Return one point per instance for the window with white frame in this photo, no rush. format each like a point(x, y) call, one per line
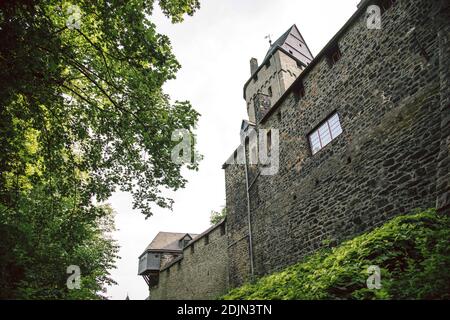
point(326, 132)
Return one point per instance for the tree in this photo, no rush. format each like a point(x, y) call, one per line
point(217, 216)
point(82, 114)
point(99, 89)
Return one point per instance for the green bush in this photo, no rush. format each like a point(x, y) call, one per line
point(412, 251)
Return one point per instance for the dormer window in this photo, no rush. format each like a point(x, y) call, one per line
point(269, 91)
point(334, 54)
point(184, 242)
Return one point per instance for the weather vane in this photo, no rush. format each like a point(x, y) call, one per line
point(270, 40)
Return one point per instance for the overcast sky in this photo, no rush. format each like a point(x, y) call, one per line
point(214, 48)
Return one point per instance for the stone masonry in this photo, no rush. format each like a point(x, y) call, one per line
point(390, 90)
point(200, 273)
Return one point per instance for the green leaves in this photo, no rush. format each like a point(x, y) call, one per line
point(412, 251)
point(99, 87)
point(175, 9)
point(216, 216)
point(82, 114)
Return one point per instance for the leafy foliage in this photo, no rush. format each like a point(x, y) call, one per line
point(412, 251)
point(82, 114)
point(96, 89)
point(217, 216)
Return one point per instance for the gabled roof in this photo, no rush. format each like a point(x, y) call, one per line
point(167, 241)
point(195, 239)
point(361, 10)
point(291, 43)
point(279, 42)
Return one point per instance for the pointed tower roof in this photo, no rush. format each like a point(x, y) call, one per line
point(279, 42)
point(292, 42)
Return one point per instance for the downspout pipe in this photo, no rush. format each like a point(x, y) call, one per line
point(249, 219)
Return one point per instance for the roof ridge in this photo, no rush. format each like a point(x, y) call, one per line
point(280, 40)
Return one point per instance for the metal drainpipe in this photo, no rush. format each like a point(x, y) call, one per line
point(249, 220)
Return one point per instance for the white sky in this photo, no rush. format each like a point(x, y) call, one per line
point(214, 48)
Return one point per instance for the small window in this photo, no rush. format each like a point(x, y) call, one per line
point(192, 249)
point(268, 63)
point(299, 44)
point(269, 141)
point(333, 54)
point(299, 65)
point(185, 242)
point(255, 77)
point(336, 56)
point(247, 144)
point(290, 51)
point(299, 91)
point(325, 133)
point(269, 91)
point(385, 4)
point(206, 239)
point(222, 229)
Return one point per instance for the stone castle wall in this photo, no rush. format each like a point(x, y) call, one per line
point(198, 274)
point(278, 75)
point(390, 89)
point(387, 91)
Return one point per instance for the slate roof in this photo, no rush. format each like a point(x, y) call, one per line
point(292, 44)
point(278, 43)
point(168, 241)
point(195, 239)
point(362, 5)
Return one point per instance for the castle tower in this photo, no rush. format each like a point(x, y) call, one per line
point(286, 59)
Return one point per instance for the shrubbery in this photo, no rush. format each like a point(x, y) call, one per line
point(412, 251)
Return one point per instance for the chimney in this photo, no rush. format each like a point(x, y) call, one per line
point(253, 65)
